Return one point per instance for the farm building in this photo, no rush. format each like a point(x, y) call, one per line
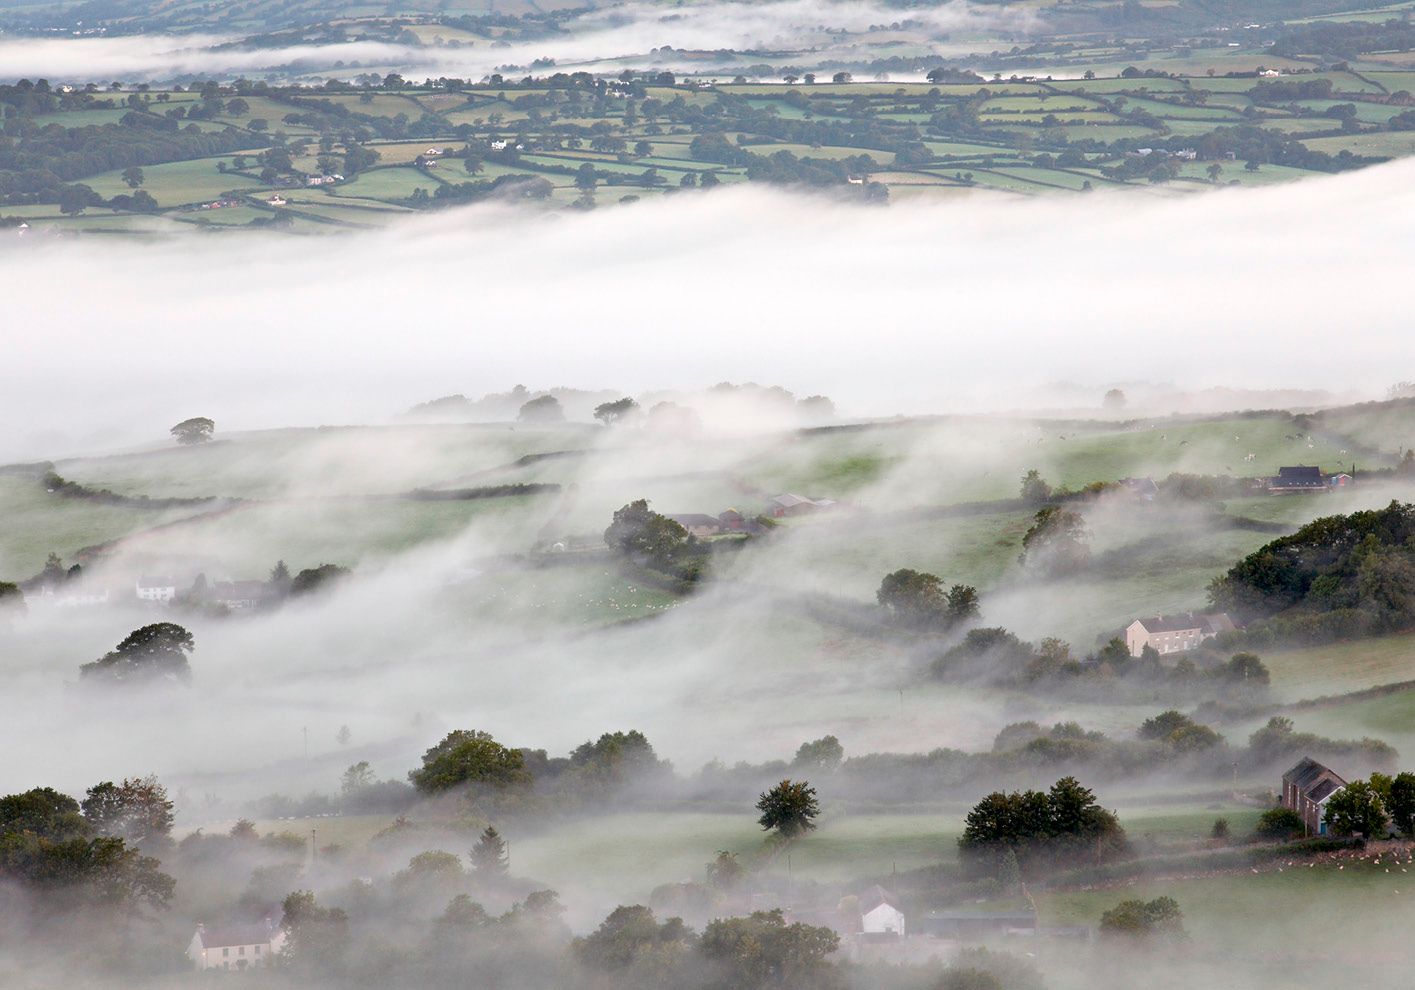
point(967, 924)
point(156, 589)
point(698, 524)
point(1300, 480)
point(732, 521)
point(238, 594)
point(1306, 789)
point(797, 505)
point(1174, 633)
point(235, 946)
point(880, 914)
point(1342, 480)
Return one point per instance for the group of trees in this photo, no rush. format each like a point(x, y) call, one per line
point(1342, 576)
point(1038, 830)
point(917, 600)
point(72, 855)
point(650, 539)
point(1373, 807)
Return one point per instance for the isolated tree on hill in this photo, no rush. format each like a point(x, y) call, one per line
point(1058, 542)
point(823, 754)
point(1114, 400)
point(544, 409)
point(1035, 490)
point(132, 177)
point(151, 654)
point(196, 430)
point(137, 810)
point(490, 860)
point(617, 411)
point(790, 808)
point(467, 756)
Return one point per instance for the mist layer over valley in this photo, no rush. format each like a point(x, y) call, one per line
point(485, 500)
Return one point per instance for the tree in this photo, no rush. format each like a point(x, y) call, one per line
point(469, 757)
point(544, 409)
point(962, 603)
point(610, 413)
point(1246, 668)
point(313, 579)
point(157, 652)
point(1058, 542)
point(1160, 918)
point(640, 533)
point(196, 430)
point(1114, 400)
point(790, 808)
point(632, 945)
point(317, 938)
point(1035, 490)
point(840, 78)
point(1356, 809)
point(1279, 825)
point(1401, 803)
point(279, 579)
point(490, 860)
point(12, 599)
point(913, 598)
point(74, 199)
point(132, 177)
point(762, 950)
point(1214, 171)
point(357, 778)
point(343, 736)
point(137, 810)
point(725, 871)
point(824, 754)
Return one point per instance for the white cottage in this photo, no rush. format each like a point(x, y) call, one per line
point(235, 946)
point(156, 588)
point(880, 913)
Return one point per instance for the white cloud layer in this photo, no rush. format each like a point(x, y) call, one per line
point(954, 306)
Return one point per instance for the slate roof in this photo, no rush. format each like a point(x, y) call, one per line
point(1313, 780)
point(1216, 623)
point(232, 935)
point(873, 897)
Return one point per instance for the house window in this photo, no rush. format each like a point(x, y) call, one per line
point(226, 951)
point(241, 951)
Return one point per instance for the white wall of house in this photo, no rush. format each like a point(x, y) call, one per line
point(882, 919)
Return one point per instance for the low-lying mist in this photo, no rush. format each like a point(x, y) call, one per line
point(973, 305)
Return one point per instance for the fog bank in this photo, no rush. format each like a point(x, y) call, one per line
point(960, 306)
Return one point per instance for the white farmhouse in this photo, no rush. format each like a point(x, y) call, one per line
point(156, 588)
point(235, 946)
point(880, 914)
point(1174, 633)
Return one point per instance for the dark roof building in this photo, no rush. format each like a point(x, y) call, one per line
point(1306, 788)
point(1297, 481)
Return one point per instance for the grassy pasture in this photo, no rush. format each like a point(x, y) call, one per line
point(38, 523)
point(174, 183)
point(397, 182)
